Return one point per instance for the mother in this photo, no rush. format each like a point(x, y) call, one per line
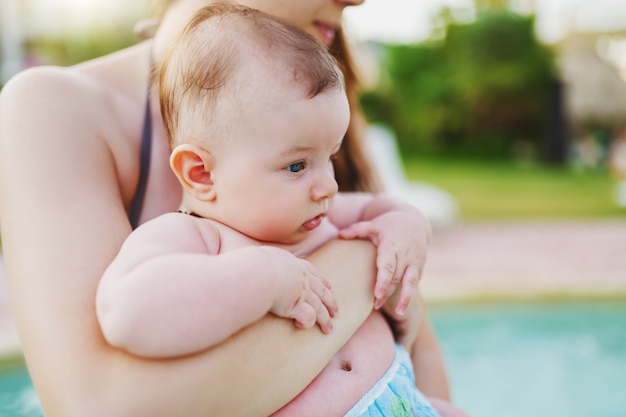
point(72, 187)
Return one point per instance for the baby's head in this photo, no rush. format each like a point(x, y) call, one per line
point(230, 59)
point(255, 109)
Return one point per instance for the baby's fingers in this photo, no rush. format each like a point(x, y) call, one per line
point(318, 305)
point(322, 290)
point(304, 315)
point(387, 278)
point(409, 284)
point(360, 230)
point(322, 313)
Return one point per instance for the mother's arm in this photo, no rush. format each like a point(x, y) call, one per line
point(62, 220)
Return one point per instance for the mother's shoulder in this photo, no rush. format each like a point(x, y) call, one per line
point(52, 88)
point(104, 81)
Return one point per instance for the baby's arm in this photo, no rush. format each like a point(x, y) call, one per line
point(168, 292)
point(400, 232)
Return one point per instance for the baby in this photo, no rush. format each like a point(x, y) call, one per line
point(255, 111)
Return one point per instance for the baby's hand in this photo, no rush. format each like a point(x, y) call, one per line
point(401, 254)
point(301, 293)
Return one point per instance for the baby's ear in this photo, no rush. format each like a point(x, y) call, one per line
point(192, 164)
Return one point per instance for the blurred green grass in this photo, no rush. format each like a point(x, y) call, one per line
point(507, 191)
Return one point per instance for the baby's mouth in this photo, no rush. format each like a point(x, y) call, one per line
point(313, 223)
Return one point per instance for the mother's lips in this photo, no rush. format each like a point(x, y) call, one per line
point(326, 32)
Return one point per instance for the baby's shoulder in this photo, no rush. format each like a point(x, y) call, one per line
point(230, 239)
point(179, 231)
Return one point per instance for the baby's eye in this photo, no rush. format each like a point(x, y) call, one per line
point(296, 167)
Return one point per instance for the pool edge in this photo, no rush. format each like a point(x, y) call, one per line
point(555, 296)
point(11, 359)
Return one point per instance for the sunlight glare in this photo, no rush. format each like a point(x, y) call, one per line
point(80, 8)
point(81, 14)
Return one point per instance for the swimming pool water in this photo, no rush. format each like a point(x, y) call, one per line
point(539, 360)
point(503, 360)
point(17, 396)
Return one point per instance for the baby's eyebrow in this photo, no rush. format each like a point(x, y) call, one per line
point(296, 149)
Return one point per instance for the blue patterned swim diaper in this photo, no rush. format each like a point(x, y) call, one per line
point(395, 394)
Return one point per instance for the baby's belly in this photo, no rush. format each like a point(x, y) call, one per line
point(349, 375)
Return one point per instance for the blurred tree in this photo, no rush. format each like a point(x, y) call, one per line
point(491, 4)
point(68, 48)
point(483, 90)
point(80, 30)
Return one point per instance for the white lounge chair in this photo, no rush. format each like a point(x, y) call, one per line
point(437, 204)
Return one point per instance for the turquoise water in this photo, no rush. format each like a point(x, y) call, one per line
point(504, 360)
point(17, 397)
point(539, 360)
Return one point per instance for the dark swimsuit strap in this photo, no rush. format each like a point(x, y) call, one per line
point(144, 167)
point(190, 213)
